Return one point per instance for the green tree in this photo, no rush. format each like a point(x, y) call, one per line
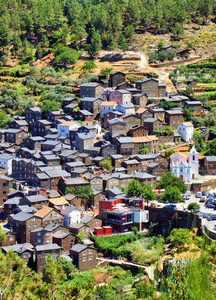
point(3, 117)
point(65, 55)
point(169, 179)
point(144, 149)
point(193, 206)
point(177, 30)
point(17, 44)
point(211, 148)
point(80, 237)
point(189, 90)
point(134, 188)
point(95, 44)
point(111, 42)
point(186, 114)
point(84, 192)
point(199, 141)
point(162, 55)
point(172, 194)
point(107, 164)
point(5, 34)
point(129, 32)
point(67, 266)
point(148, 193)
point(3, 236)
point(122, 42)
point(49, 106)
point(106, 71)
point(160, 45)
point(180, 237)
point(39, 52)
point(88, 66)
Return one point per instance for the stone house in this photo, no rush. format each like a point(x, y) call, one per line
point(4, 188)
point(25, 251)
point(85, 158)
point(40, 127)
point(33, 142)
point(151, 88)
point(84, 115)
point(174, 118)
point(83, 257)
point(15, 136)
point(19, 124)
point(22, 223)
point(51, 160)
point(156, 169)
point(125, 145)
point(91, 222)
point(138, 130)
point(40, 236)
point(36, 201)
point(109, 116)
point(132, 166)
point(41, 252)
point(145, 178)
point(108, 149)
point(96, 182)
point(120, 97)
point(109, 182)
point(91, 90)
point(67, 101)
point(210, 165)
point(131, 120)
point(10, 237)
point(117, 160)
point(53, 116)
point(106, 107)
point(126, 109)
point(116, 78)
point(33, 114)
point(10, 205)
point(150, 141)
point(193, 105)
point(117, 127)
point(98, 196)
point(139, 99)
point(91, 104)
point(63, 239)
point(84, 140)
point(48, 215)
point(153, 124)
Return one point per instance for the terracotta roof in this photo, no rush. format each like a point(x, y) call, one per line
point(141, 110)
point(187, 124)
point(108, 103)
point(144, 139)
point(67, 123)
point(41, 213)
point(58, 201)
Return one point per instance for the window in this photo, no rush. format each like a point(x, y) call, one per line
point(84, 253)
point(84, 259)
point(50, 215)
point(90, 257)
point(39, 234)
point(11, 238)
point(35, 224)
point(47, 240)
point(39, 241)
point(90, 251)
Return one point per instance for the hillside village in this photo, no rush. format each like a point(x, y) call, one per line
point(67, 174)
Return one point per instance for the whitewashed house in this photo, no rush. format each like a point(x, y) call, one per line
point(186, 129)
point(6, 163)
point(63, 129)
point(71, 215)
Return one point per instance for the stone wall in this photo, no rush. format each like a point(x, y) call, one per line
point(168, 219)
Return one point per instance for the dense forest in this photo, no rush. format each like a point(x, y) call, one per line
point(92, 24)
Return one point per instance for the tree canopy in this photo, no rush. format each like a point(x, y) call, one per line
point(169, 179)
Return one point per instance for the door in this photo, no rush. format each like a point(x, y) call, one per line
point(193, 176)
point(181, 176)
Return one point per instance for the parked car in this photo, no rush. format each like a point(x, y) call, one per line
point(211, 218)
point(203, 199)
point(210, 205)
point(170, 206)
point(203, 193)
point(198, 194)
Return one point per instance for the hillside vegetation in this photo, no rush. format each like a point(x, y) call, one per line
point(29, 24)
